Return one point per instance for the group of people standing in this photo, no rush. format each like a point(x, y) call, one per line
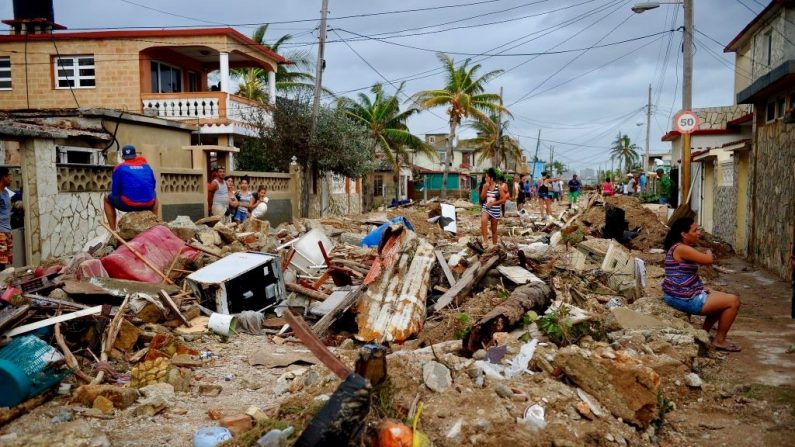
point(234, 205)
point(636, 184)
point(494, 193)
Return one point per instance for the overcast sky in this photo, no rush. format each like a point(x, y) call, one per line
point(579, 99)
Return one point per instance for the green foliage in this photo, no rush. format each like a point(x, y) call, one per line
point(492, 141)
point(649, 197)
point(529, 318)
point(464, 324)
point(340, 144)
point(559, 328)
point(625, 152)
point(664, 406)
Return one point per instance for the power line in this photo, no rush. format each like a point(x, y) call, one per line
point(313, 20)
point(538, 34)
point(526, 95)
point(542, 53)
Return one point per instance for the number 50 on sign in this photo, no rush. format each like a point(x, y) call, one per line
point(686, 121)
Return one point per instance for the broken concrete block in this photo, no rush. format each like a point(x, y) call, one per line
point(186, 361)
point(103, 404)
point(626, 387)
point(183, 228)
point(436, 376)
point(120, 396)
point(128, 335)
point(237, 424)
point(626, 318)
point(227, 234)
point(149, 372)
point(180, 379)
point(209, 237)
point(618, 260)
point(135, 223)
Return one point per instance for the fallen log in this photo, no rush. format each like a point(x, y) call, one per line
point(534, 295)
point(313, 294)
point(9, 414)
point(467, 282)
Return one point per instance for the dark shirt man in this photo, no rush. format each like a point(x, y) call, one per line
point(132, 186)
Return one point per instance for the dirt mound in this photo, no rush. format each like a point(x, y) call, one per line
point(652, 230)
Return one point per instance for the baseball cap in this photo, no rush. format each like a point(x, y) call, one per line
point(128, 152)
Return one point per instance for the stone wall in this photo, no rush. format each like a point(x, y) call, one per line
point(773, 189)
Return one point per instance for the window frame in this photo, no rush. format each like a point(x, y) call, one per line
point(161, 64)
point(769, 46)
point(378, 185)
point(2, 70)
point(771, 105)
point(76, 77)
point(781, 107)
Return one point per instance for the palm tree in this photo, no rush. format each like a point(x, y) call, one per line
point(492, 143)
point(558, 167)
point(463, 95)
point(387, 126)
point(624, 151)
point(290, 78)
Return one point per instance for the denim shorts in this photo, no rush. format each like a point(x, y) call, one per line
point(692, 306)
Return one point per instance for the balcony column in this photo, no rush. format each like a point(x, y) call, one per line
point(272, 87)
point(223, 60)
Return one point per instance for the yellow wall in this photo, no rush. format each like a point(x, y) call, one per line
point(741, 181)
point(708, 193)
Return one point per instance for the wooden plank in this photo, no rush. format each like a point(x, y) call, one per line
point(468, 281)
point(445, 268)
point(50, 321)
point(173, 306)
point(309, 293)
point(321, 327)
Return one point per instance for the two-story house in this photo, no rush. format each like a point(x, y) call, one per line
point(765, 78)
point(70, 100)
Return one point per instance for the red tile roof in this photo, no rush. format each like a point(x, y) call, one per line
point(143, 34)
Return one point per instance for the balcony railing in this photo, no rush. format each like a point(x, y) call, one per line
point(199, 106)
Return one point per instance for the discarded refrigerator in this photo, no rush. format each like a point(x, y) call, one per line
point(238, 282)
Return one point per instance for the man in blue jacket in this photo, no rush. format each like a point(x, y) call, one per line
point(132, 186)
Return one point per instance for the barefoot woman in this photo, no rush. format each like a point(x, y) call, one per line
point(684, 290)
point(493, 196)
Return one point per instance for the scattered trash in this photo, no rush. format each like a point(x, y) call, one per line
point(533, 418)
point(211, 436)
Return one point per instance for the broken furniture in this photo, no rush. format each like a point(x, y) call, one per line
point(238, 282)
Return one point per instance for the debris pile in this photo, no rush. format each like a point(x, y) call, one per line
point(386, 328)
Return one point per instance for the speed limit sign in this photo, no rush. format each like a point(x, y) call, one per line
point(686, 121)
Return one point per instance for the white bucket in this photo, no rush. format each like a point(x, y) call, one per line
point(222, 324)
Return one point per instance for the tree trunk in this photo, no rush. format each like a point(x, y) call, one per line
point(397, 184)
point(449, 157)
point(508, 314)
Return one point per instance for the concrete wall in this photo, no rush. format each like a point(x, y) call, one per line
point(283, 190)
point(742, 181)
point(773, 202)
point(725, 201)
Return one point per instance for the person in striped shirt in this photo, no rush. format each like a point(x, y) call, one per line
point(683, 289)
point(493, 195)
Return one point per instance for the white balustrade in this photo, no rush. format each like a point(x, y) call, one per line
point(184, 108)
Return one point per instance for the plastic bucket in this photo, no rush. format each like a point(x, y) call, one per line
point(222, 324)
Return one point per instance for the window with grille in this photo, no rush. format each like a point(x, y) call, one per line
point(75, 72)
point(5, 73)
point(378, 185)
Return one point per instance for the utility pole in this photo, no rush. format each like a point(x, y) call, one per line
point(687, 92)
point(647, 164)
point(308, 171)
point(551, 156)
point(320, 65)
point(498, 155)
point(535, 157)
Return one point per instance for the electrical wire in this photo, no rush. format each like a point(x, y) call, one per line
point(68, 81)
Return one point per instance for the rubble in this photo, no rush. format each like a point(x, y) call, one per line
point(553, 331)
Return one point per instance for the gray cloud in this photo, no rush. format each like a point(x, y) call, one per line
point(589, 110)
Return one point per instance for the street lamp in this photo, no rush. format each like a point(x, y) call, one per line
point(687, 77)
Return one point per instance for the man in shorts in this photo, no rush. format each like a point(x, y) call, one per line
point(6, 241)
point(574, 190)
point(132, 186)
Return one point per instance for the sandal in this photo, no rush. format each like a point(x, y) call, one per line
point(729, 347)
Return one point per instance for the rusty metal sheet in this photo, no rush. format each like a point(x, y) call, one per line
point(393, 307)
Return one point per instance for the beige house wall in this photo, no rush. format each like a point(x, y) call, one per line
point(122, 71)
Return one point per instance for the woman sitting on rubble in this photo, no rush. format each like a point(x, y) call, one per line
point(494, 196)
point(684, 290)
